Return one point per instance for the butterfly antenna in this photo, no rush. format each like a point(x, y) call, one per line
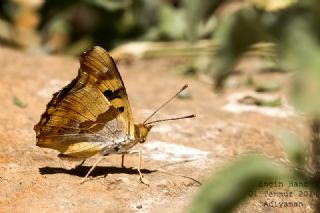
point(171, 119)
point(165, 103)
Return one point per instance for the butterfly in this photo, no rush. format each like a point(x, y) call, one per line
point(92, 114)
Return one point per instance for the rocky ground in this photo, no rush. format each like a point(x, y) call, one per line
point(177, 156)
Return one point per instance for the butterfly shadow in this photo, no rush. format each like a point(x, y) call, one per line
point(81, 171)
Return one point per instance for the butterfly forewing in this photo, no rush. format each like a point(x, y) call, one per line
point(103, 71)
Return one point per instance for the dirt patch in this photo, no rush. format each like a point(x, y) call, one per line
point(35, 180)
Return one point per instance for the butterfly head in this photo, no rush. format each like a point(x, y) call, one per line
point(142, 131)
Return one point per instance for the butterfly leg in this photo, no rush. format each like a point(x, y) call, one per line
point(77, 166)
point(144, 181)
point(122, 160)
point(92, 168)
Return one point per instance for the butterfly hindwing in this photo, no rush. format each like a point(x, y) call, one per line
point(91, 113)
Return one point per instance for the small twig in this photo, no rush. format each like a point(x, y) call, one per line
point(175, 163)
point(136, 50)
point(191, 178)
point(179, 162)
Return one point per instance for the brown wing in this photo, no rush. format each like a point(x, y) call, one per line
point(89, 114)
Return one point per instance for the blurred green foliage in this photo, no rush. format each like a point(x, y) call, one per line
point(236, 27)
point(224, 191)
point(62, 24)
point(293, 30)
point(294, 147)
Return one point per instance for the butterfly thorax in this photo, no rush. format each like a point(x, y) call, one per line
point(140, 134)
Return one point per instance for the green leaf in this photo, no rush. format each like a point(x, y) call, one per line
point(268, 86)
point(251, 100)
point(172, 22)
point(235, 35)
point(197, 14)
point(18, 102)
point(304, 89)
point(229, 187)
point(187, 70)
point(293, 146)
point(300, 48)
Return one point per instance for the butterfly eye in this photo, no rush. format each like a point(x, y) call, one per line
point(142, 140)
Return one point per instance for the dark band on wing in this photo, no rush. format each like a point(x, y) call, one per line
point(102, 119)
point(110, 95)
point(121, 109)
